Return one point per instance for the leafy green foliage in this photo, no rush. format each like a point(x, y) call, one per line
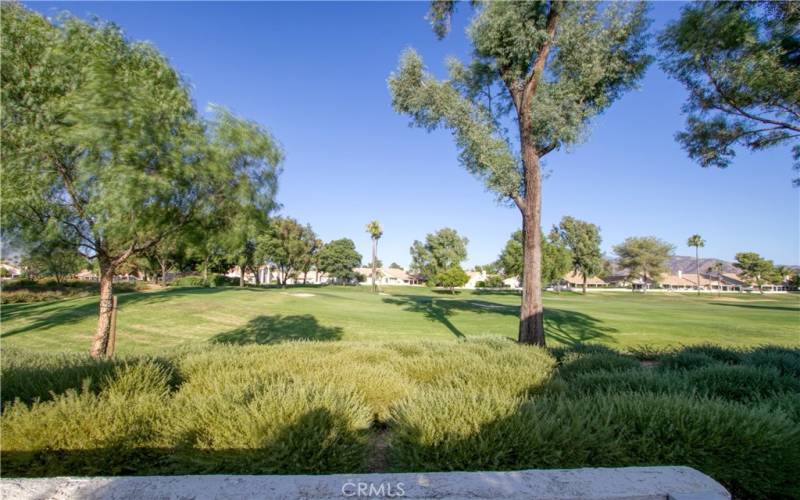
point(583, 241)
point(440, 251)
point(452, 278)
point(556, 258)
point(338, 258)
point(755, 268)
point(288, 244)
point(739, 62)
point(644, 256)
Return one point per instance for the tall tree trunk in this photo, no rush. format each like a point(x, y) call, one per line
point(241, 276)
point(257, 273)
point(374, 263)
point(164, 273)
point(584, 283)
point(305, 277)
point(697, 267)
point(100, 339)
point(205, 270)
point(531, 315)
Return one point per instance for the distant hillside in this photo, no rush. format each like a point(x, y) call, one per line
point(686, 264)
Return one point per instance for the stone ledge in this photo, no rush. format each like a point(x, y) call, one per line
point(629, 483)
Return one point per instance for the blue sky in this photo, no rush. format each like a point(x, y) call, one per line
point(315, 75)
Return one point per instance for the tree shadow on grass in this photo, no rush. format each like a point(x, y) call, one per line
point(46, 315)
point(433, 309)
point(756, 306)
point(279, 328)
point(563, 325)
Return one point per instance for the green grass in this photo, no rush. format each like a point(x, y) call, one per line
point(149, 322)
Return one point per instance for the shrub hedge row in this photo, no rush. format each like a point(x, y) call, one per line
point(312, 407)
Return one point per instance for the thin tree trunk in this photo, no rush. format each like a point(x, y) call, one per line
point(584, 283)
point(531, 316)
point(205, 270)
point(241, 276)
point(374, 263)
point(257, 274)
point(164, 273)
point(697, 267)
point(100, 339)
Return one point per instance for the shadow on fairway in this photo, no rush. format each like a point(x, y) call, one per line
point(60, 312)
point(565, 326)
point(278, 328)
point(755, 306)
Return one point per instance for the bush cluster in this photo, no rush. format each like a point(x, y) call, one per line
point(25, 290)
point(314, 407)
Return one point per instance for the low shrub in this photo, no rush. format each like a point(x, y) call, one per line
point(641, 380)
point(576, 363)
point(741, 383)
point(685, 361)
point(753, 452)
point(82, 433)
point(785, 360)
point(31, 377)
point(24, 290)
point(272, 426)
point(189, 281)
point(647, 352)
point(727, 355)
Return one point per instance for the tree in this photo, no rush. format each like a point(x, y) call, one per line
point(395, 265)
point(697, 242)
point(375, 233)
point(583, 241)
point(311, 258)
point(441, 250)
point(452, 277)
point(741, 64)
point(288, 244)
point(556, 258)
point(101, 144)
point(551, 66)
point(755, 268)
point(53, 258)
point(717, 268)
point(646, 257)
point(338, 258)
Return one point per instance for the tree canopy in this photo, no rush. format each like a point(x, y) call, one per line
point(756, 268)
point(583, 241)
point(740, 62)
point(338, 258)
point(556, 258)
point(441, 250)
point(287, 244)
point(644, 257)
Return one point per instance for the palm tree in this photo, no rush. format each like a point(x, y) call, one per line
point(375, 232)
point(717, 268)
point(697, 241)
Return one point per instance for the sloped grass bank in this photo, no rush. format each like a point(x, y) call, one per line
point(316, 407)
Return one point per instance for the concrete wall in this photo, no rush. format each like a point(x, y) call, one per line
point(630, 483)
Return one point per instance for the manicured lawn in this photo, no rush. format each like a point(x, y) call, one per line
point(152, 321)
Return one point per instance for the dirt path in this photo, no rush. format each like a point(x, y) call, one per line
point(379, 455)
